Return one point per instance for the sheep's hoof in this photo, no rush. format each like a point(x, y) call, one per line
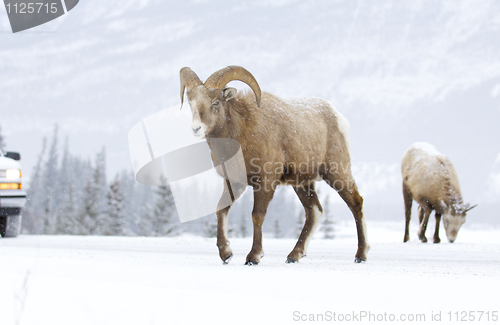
point(437, 240)
point(359, 260)
point(251, 263)
point(291, 261)
point(227, 259)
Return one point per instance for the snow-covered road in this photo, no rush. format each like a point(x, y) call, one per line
point(136, 280)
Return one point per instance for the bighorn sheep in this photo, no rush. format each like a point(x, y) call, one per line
point(284, 142)
point(430, 179)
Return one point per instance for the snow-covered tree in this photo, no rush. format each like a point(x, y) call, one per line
point(89, 215)
point(33, 215)
point(94, 198)
point(100, 163)
point(133, 204)
point(164, 221)
point(50, 177)
point(65, 196)
point(114, 223)
point(210, 227)
point(243, 230)
point(301, 219)
point(327, 226)
point(142, 206)
point(277, 228)
point(68, 222)
point(144, 221)
point(283, 207)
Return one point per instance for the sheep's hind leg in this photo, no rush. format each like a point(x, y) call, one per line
point(262, 198)
point(348, 191)
point(408, 203)
point(314, 211)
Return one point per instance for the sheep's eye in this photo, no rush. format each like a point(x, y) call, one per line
point(216, 103)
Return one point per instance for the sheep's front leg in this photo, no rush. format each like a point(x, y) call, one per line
point(423, 225)
point(421, 213)
point(436, 231)
point(408, 203)
point(262, 198)
point(225, 251)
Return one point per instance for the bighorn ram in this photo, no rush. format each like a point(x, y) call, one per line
point(284, 142)
point(430, 179)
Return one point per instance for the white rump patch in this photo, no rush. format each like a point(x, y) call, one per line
point(344, 127)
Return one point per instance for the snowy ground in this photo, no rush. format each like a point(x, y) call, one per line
point(109, 280)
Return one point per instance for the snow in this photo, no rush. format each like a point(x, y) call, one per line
point(299, 106)
point(426, 148)
point(181, 280)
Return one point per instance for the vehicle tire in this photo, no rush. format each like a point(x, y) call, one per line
point(10, 226)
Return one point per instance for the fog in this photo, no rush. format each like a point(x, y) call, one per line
point(399, 72)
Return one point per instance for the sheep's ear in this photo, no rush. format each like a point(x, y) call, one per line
point(229, 93)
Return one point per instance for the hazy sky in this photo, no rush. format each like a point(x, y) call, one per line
point(400, 72)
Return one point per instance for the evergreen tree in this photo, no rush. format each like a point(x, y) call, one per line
point(67, 218)
point(301, 219)
point(89, 215)
point(243, 225)
point(101, 188)
point(131, 191)
point(284, 203)
point(143, 205)
point(277, 228)
point(144, 221)
point(164, 211)
point(49, 181)
point(94, 199)
point(210, 228)
point(64, 195)
point(327, 226)
point(230, 229)
point(82, 171)
point(115, 223)
point(100, 164)
point(33, 215)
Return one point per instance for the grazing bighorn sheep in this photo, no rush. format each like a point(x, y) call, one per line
point(430, 179)
point(284, 142)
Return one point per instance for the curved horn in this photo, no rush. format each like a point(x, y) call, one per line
point(189, 80)
point(219, 79)
point(472, 207)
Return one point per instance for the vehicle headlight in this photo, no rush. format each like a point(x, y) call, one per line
point(12, 173)
point(10, 186)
